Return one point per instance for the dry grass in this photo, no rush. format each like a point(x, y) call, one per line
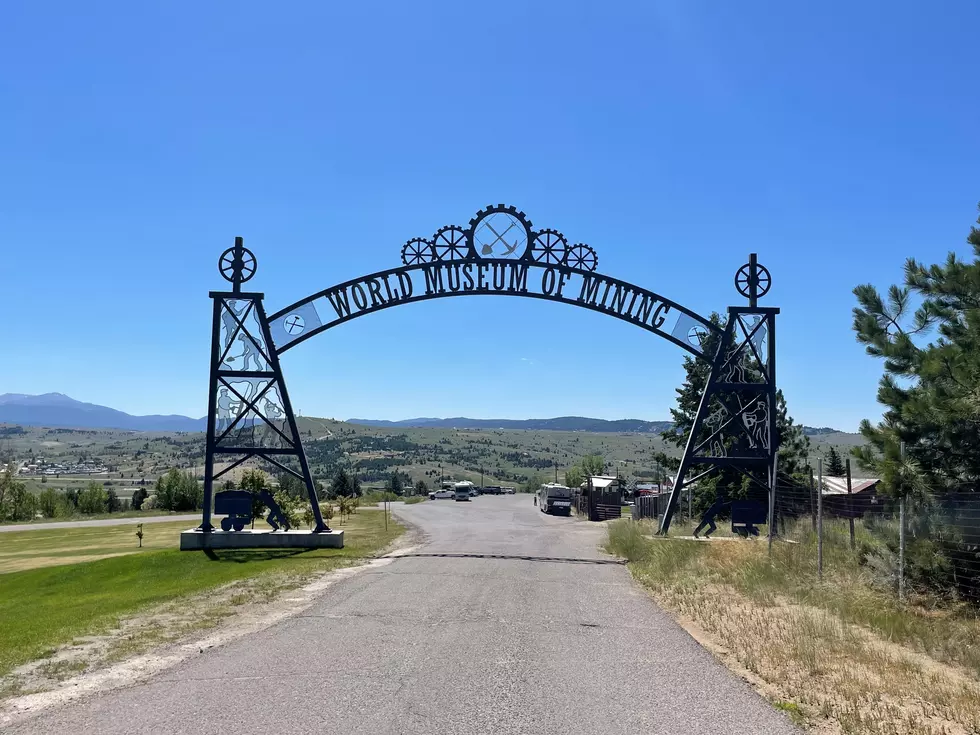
point(843, 656)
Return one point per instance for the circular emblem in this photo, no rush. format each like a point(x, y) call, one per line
point(696, 335)
point(234, 264)
point(751, 283)
point(500, 235)
point(294, 324)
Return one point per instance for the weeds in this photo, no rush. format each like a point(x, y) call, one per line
point(842, 649)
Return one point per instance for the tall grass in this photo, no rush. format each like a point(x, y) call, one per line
point(843, 649)
point(851, 590)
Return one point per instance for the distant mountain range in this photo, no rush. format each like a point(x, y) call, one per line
point(563, 423)
point(57, 409)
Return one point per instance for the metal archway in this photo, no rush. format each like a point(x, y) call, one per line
point(498, 254)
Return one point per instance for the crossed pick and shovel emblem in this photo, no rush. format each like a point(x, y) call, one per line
point(488, 247)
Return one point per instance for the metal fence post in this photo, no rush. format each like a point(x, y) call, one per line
point(901, 538)
point(901, 548)
point(772, 514)
point(850, 503)
point(813, 505)
point(820, 518)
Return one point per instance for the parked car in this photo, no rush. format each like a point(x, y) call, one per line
point(442, 495)
point(507, 491)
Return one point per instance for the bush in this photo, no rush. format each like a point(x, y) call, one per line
point(50, 503)
point(178, 491)
point(139, 497)
point(93, 499)
point(291, 509)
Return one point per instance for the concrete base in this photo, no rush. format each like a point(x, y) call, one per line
point(195, 540)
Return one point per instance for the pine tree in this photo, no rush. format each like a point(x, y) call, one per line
point(341, 485)
point(395, 484)
point(931, 371)
point(834, 466)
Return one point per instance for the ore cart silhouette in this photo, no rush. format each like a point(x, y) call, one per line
point(236, 505)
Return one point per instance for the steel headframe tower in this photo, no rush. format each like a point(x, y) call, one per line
point(249, 413)
point(735, 425)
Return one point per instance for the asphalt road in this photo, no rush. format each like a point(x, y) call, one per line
point(432, 644)
point(54, 525)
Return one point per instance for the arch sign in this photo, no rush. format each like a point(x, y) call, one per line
point(499, 253)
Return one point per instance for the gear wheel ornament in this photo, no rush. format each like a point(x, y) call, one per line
point(582, 257)
point(417, 251)
point(450, 243)
point(753, 280)
point(549, 247)
point(237, 264)
point(500, 231)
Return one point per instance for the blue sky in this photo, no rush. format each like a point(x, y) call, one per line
point(137, 139)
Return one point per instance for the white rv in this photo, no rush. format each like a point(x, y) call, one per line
point(464, 490)
point(555, 498)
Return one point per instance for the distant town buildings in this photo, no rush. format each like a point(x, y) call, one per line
point(38, 467)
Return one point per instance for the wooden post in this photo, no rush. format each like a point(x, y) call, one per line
point(850, 502)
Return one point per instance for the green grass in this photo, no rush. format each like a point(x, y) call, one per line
point(793, 710)
point(44, 608)
point(23, 550)
point(133, 514)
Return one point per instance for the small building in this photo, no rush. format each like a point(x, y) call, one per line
point(604, 483)
point(862, 498)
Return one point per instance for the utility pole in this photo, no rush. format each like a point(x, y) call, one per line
point(850, 502)
point(481, 478)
